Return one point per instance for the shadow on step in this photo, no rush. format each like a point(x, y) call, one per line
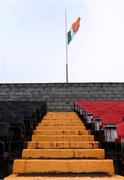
point(64, 175)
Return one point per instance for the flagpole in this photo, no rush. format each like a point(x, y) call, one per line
point(66, 45)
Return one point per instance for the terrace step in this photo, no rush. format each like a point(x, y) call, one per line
point(61, 124)
point(61, 132)
point(63, 166)
point(62, 138)
point(62, 120)
point(63, 153)
point(64, 127)
point(71, 176)
point(63, 145)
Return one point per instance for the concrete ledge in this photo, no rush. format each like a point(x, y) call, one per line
point(60, 127)
point(64, 177)
point(63, 166)
point(63, 145)
point(74, 120)
point(61, 114)
point(60, 117)
point(61, 124)
point(62, 138)
point(61, 132)
point(63, 153)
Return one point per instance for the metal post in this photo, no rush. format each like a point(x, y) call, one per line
point(66, 44)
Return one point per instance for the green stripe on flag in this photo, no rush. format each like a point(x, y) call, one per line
point(69, 36)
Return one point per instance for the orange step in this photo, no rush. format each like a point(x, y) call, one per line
point(61, 132)
point(63, 153)
point(61, 124)
point(60, 127)
point(63, 145)
point(62, 138)
point(22, 166)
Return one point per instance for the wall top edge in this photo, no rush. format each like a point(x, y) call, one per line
point(61, 83)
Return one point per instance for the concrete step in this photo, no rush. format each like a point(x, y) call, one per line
point(61, 124)
point(62, 138)
point(63, 145)
point(70, 176)
point(60, 127)
point(63, 166)
point(58, 118)
point(60, 132)
point(67, 114)
point(62, 119)
point(61, 116)
point(63, 153)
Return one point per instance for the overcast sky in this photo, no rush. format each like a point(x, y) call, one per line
point(32, 41)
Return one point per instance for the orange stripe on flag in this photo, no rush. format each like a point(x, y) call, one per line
point(76, 25)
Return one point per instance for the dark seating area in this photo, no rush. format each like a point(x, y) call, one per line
point(105, 120)
point(18, 119)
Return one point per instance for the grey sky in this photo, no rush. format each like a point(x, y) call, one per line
point(32, 41)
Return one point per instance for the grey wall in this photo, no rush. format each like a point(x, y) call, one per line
point(60, 96)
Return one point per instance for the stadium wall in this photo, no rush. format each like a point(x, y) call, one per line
point(60, 96)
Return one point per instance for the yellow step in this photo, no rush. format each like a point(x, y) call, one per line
point(61, 119)
point(61, 124)
point(60, 132)
point(60, 127)
point(66, 177)
point(63, 166)
point(61, 114)
point(62, 153)
point(63, 145)
point(62, 138)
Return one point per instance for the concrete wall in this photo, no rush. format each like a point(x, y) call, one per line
point(60, 96)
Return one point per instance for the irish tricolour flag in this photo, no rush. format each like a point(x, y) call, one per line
point(74, 28)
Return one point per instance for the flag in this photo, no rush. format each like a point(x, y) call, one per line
point(74, 28)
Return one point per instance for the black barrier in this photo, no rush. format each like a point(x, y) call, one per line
point(18, 119)
point(5, 142)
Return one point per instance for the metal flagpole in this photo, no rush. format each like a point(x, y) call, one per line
point(66, 44)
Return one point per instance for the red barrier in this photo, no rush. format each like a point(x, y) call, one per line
point(120, 132)
point(110, 120)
